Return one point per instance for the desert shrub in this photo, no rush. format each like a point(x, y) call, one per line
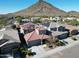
point(13, 26)
point(60, 43)
point(73, 38)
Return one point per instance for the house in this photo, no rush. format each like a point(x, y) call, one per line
point(72, 29)
point(40, 28)
point(60, 35)
point(56, 19)
point(58, 30)
point(69, 18)
point(35, 39)
point(35, 18)
point(54, 26)
point(28, 27)
point(51, 18)
point(25, 21)
point(44, 19)
point(77, 19)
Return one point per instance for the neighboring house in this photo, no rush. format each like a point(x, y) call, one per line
point(51, 18)
point(69, 18)
point(44, 19)
point(35, 18)
point(62, 31)
point(40, 28)
point(35, 39)
point(71, 27)
point(58, 30)
point(60, 35)
point(25, 21)
point(77, 19)
point(56, 19)
point(54, 25)
point(28, 27)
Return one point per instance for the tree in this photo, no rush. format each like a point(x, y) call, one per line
point(72, 22)
point(37, 21)
point(19, 18)
point(2, 23)
point(53, 42)
point(25, 52)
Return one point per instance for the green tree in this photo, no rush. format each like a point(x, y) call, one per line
point(37, 21)
point(19, 18)
point(2, 22)
point(72, 22)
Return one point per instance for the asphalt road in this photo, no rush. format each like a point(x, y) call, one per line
point(72, 52)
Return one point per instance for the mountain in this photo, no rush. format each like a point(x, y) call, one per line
point(73, 13)
point(41, 8)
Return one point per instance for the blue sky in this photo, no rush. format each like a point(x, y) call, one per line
point(9, 6)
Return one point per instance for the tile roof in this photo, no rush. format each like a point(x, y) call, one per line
point(32, 26)
point(35, 36)
point(27, 26)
